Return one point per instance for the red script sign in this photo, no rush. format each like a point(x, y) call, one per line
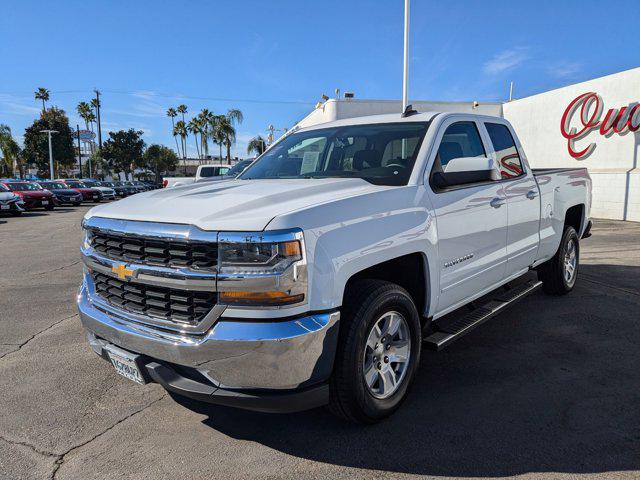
point(620, 121)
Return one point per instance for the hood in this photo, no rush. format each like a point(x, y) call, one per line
point(65, 191)
point(236, 205)
point(4, 196)
point(34, 193)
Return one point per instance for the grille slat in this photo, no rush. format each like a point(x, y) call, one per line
point(165, 303)
point(177, 254)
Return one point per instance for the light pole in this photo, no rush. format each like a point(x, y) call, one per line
point(49, 132)
point(405, 70)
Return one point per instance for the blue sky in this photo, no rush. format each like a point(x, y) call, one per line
point(274, 59)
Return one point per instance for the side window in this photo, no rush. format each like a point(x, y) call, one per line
point(506, 151)
point(460, 139)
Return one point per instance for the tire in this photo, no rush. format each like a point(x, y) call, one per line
point(366, 305)
point(554, 273)
point(77, 204)
point(16, 213)
point(49, 208)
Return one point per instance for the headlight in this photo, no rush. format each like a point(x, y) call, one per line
point(262, 269)
point(86, 238)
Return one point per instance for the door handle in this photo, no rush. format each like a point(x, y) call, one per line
point(497, 202)
point(531, 194)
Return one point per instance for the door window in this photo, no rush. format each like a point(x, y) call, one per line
point(460, 139)
point(506, 152)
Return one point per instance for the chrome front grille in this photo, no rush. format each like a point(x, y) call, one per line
point(202, 256)
point(170, 304)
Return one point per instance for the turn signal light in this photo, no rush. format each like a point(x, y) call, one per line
point(268, 299)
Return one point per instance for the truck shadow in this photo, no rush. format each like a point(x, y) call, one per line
point(551, 385)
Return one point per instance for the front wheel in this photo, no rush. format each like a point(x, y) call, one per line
point(558, 275)
point(49, 207)
point(378, 351)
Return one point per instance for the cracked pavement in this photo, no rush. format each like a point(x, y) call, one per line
point(549, 389)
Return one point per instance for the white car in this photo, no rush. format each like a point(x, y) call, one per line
point(108, 193)
point(203, 172)
point(317, 276)
point(10, 202)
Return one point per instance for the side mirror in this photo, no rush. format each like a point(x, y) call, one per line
point(466, 170)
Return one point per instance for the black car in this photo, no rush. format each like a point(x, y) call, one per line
point(129, 189)
point(120, 190)
point(62, 193)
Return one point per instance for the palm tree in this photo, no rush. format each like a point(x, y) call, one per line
point(42, 94)
point(171, 112)
point(183, 109)
point(85, 112)
point(233, 117)
point(194, 127)
point(10, 151)
point(205, 117)
point(181, 130)
point(257, 144)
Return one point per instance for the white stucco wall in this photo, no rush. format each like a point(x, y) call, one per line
point(613, 164)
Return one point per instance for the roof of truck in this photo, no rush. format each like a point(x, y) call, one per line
point(369, 119)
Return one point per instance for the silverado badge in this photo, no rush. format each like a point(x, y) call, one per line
point(122, 271)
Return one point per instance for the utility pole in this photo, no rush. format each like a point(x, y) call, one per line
point(49, 132)
point(79, 150)
point(98, 114)
point(511, 91)
point(405, 71)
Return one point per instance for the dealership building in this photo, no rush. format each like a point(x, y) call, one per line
point(593, 124)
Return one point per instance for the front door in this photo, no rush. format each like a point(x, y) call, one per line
point(471, 222)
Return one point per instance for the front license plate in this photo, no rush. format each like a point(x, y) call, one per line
point(125, 364)
point(45, 202)
point(4, 207)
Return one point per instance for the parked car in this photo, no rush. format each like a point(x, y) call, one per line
point(10, 202)
point(203, 171)
point(233, 172)
point(121, 191)
point(62, 193)
point(88, 194)
point(317, 276)
point(135, 187)
point(33, 195)
point(129, 189)
point(108, 193)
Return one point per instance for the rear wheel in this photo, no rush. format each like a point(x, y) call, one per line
point(558, 275)
point(378, 351)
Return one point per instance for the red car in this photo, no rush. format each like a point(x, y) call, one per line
point(32, 194)
point(88, 194)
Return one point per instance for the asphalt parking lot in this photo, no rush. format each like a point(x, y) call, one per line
point(549, 389)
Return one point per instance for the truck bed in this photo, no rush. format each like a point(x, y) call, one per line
point(547, 171)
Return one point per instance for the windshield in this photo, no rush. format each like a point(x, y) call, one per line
point(90, 183)
point(21, 187)
point(107, 184)
point(382, 154)
point(76, 185)
point(53, 185)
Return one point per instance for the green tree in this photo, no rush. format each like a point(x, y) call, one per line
point(160, 159)
point(205, 117)
point(11, 153)
point(181, 130)
point(42, 94)
point(257, 145)
point(36, 144)
point(182, 109)
point(123, 151)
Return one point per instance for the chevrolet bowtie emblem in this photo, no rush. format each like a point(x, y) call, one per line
point(122, 271)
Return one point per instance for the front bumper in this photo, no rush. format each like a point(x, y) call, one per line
point(250, 364)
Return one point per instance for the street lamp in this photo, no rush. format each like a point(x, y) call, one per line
point(49, 132)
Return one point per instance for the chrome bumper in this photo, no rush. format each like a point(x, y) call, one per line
point(235, 354)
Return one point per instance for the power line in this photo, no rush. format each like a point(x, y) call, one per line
point(142, 94)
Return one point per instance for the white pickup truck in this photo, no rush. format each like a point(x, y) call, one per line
point(318, 275)
point(202, 172)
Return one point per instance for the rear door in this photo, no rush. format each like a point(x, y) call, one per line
point(523, 202)
point(471, 220)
